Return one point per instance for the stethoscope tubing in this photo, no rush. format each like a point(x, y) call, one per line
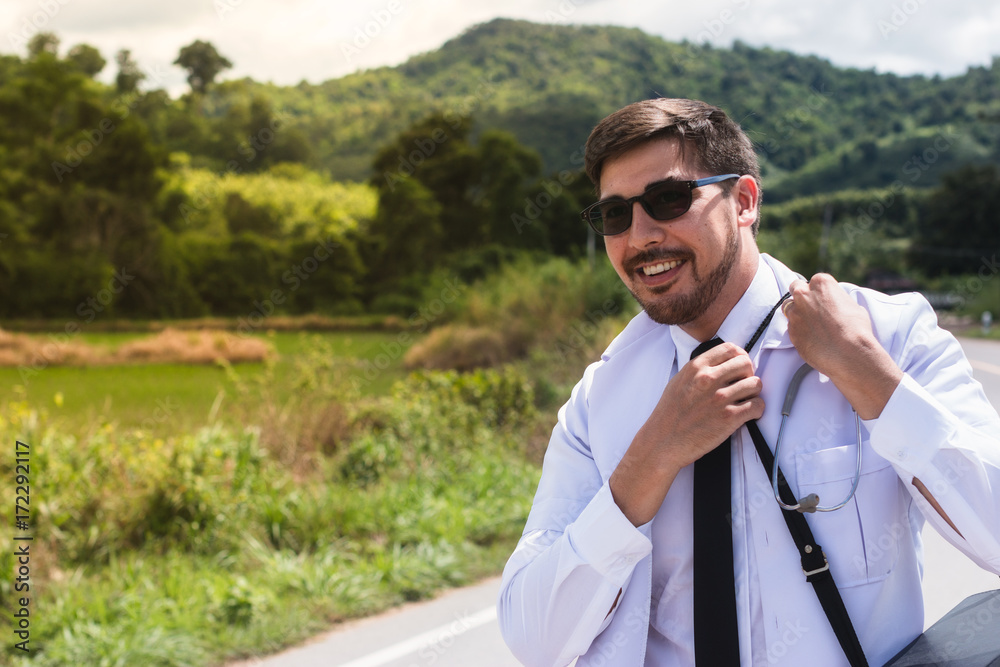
point(808, 503)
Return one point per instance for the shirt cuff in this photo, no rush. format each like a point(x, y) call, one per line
point(606, 540)
point(911, 429)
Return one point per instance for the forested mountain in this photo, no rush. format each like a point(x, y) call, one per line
point(549, 85)
point(214, 201)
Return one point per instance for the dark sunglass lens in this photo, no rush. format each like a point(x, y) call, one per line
point(615, 216)
point(668, 201)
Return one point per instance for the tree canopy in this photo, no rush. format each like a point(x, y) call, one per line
point(203, 63)
point(87, 58)
point(960, 226)
point(453, 161)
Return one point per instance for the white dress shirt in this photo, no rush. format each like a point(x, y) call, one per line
point(578, 550)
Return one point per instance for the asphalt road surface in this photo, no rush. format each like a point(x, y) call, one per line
point(459, 628)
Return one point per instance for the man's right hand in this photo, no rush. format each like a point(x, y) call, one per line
point(706, 402)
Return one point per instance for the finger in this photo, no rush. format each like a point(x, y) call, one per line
point(737, 414)
point(719, 354)
point(822, 280)
point(752, 409)
point(709, 378)
point(734, 369)
point(724, 404)
point(741, 391)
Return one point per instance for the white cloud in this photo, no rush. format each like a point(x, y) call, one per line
point(286, 41)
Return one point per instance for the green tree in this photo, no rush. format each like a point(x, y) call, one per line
point(407, 237)
point(242, 216)
point(437, 153)
point(78, 179)
point(507, 170)
point(129, 75)
point(87, 59)
point(203, 63)
point(43, 42)
point(269, 139)
point(488, 198)
point(961, 222)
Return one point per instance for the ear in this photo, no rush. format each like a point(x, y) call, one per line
point(746, 194)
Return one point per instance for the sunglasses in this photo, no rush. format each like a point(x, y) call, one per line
point(662, 201)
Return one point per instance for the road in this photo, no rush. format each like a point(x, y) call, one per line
point(459, 628)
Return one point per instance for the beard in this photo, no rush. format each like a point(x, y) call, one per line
point(666, 308)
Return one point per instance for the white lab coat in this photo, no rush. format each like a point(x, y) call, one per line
point(578, 550)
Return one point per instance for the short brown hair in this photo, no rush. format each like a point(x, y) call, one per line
point(720, 145)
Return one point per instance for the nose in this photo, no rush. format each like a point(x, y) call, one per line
point(645, 231)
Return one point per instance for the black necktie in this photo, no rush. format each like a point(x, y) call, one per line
point(716, 639)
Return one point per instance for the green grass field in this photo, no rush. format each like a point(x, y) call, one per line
point(177, 398)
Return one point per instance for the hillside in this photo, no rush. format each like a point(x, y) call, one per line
point(549, 84)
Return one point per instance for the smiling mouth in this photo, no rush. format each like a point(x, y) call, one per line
point(662, 267)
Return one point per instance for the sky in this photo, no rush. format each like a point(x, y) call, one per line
point(287, 41)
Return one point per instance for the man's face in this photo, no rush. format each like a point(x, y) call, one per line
point(676, 269)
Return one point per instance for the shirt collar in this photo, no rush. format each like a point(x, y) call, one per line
point(742, 321)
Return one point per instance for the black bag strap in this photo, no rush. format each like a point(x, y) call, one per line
point(814, 563)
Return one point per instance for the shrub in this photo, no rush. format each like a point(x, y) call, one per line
point(460, 347)
point(111, 492)
point(529, 303)
point(312, 421)
point(498, 396)
point(369, 458)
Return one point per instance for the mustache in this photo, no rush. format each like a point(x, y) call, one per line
point(658, 255)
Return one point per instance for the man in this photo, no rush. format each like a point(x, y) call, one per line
point(605, 568)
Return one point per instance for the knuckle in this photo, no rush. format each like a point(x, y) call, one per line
point(823, 279)
point(703, 381)
point(739, 414)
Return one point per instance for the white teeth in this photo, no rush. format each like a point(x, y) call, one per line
point(660, 268)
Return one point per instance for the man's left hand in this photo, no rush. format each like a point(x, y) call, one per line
point(833, 334)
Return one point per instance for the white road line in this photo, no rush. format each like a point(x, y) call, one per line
point(985, 366)
point(429, 638)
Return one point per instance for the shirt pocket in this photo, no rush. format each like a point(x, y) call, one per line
point(861, 540)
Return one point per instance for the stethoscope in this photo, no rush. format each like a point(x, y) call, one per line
point(809, 503)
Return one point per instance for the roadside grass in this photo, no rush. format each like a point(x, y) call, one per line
point(977, 332)
point(205, 547)
point(208, 610)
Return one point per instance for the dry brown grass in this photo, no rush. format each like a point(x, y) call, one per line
point(460, 347)
point(193, 347)
point(170, 346)
point(299, 434)
point(23, 350)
